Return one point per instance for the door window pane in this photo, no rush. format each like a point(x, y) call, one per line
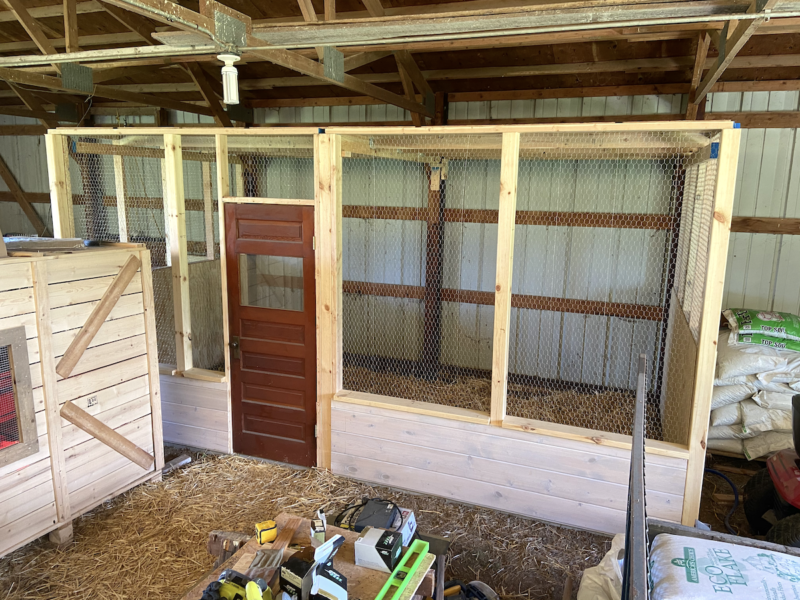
point(271, 281)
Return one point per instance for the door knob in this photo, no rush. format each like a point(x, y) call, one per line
point(234, 344)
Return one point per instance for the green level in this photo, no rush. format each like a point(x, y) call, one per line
point(402, 573)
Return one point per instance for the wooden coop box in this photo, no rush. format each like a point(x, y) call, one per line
point(481, 295)
point(68, 441)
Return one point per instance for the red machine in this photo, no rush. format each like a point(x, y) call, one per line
point(772, 496)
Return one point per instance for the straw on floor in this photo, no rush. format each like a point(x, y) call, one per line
point(151, 542)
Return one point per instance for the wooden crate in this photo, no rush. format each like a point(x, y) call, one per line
point(115, 380)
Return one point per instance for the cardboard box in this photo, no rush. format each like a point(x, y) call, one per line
point(408, 527)
point(297, 576)
point(378, 549)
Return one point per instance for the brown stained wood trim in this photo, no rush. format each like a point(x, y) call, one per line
point(765, 225)
point(21, 198)
point(568, 305)
point(524, 217)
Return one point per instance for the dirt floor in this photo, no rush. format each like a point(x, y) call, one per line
point(151, 542)
point(717, 498)
point(570, 404)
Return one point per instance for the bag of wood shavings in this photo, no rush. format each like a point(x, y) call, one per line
point(730, 432)
point(731, 446)
point(731, 394)
point(726, 415)
point(774, 400)
point(774, 324)
point(697, 569)
point(766, 443)
point(737, 360)
point(771, 381)
point(757, 419)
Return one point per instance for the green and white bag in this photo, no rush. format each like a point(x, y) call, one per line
point(758, 339)
point(774, 324)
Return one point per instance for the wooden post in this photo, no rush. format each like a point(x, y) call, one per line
point(328, 175)
point(728, 159)
point(176, 217)
point(509, 167)
point(167, 257)
point(208, 209)
point(60, 190)
point(434, 257)
point(47, 363)
point(224, 189)
point(148, 300)
point(119, 184)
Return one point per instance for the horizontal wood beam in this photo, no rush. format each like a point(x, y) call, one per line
point(774, 226)
point(55, 10)
point(32, 28)
point(137, 24)
point(525, 301)
point(24, 130)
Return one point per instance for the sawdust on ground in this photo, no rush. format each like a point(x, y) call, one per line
point(151, 541)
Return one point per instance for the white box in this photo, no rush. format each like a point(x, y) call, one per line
point(378, 549)
point(408, 527)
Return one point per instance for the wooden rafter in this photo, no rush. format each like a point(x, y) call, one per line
point(32, 102)
point(738, 33)
point(310, 16)
point(135, 23)
point(374, 8)
point(200, 79)
point(71, 25)
point(408, 88)
point(33, 28)
point(702, 44)
point(363, 58)
point(11, 182)
point(410, 65)
point(330, 10)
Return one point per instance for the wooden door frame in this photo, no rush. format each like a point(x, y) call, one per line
point(327, 205)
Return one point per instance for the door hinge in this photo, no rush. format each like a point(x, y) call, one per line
point(313, 242)
point(315, 431)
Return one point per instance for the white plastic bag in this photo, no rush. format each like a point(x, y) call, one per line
point(756, 419)
point(773, 400)
point(731, 394)
point(735, 361)
point(604, 582)
point(766, 443)
point(730, 432)
point(726, 415)
point(732, 446)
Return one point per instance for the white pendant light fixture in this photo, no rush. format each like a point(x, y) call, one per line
point(230, 79)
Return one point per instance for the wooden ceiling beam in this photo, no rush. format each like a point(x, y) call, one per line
point(33, 104)
point(355, 61)
point(330, 10)
point(410, 65)
point(32, 28)
point(408, 88)
point(701, 54)
point(200, 79)
point(310, 16)
point(137, 24)
point(374, 8)
point(13, 186)
point(71, 26)
point(43, 12)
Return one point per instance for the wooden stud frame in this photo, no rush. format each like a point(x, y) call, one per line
point(328, 150)
point(14, 338)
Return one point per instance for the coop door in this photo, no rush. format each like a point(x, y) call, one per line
point(271, 298)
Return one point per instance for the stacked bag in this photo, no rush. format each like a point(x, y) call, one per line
point(758, 372)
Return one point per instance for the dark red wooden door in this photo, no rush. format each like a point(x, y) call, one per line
point(271, 299)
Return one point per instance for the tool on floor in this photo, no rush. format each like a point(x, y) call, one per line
point(235, 586)
point(266, 561)
point(409, 564)
point(224, 544)
point(266, 531)
point(311, 571)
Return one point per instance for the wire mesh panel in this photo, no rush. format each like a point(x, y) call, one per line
point(272, 166)
point(418, 270)
point(600, 220)
point(9, 422)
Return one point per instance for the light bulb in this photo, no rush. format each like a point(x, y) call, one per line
point(230, 79)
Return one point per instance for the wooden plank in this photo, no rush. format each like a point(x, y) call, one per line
point(194, 416)
point(328, 176)
point(48, 373)
point(205, 375)
point(408, 88)
point(412, 406)
point(28, 528)
point(702, 43)
point(709, 327)
point(101, 467)
point(773, 226)
point(117, 482)
point(65, 318)
point(509, 165)
point(49, 120)
point(135, 23)
point(200, 79)
point(176, 216)
point(11, 182)
point(119, 186)
point(71, 293)
point(330, 10)
point(374, 8)
point(71, 25)
point(405, 59)
point(105, 434)
point(87, 383)
point(16, 275)
point(110, 354)
point(33, 28)
point(98, 316)
point(196, 437)
point(223, 190)
point(60, 190)
point(79, 455)
point(17, 302)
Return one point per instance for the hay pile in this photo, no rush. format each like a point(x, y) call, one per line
point(151, 542)
point(610, 411)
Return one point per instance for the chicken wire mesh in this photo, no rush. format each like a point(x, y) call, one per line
point(604, 223)
point(9, 421)
point(117, 184)
point(418, 274)
point(271, 166)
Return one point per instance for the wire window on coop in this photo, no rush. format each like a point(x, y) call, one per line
point(609, 261)
point(18, 436)
point(117, 184)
